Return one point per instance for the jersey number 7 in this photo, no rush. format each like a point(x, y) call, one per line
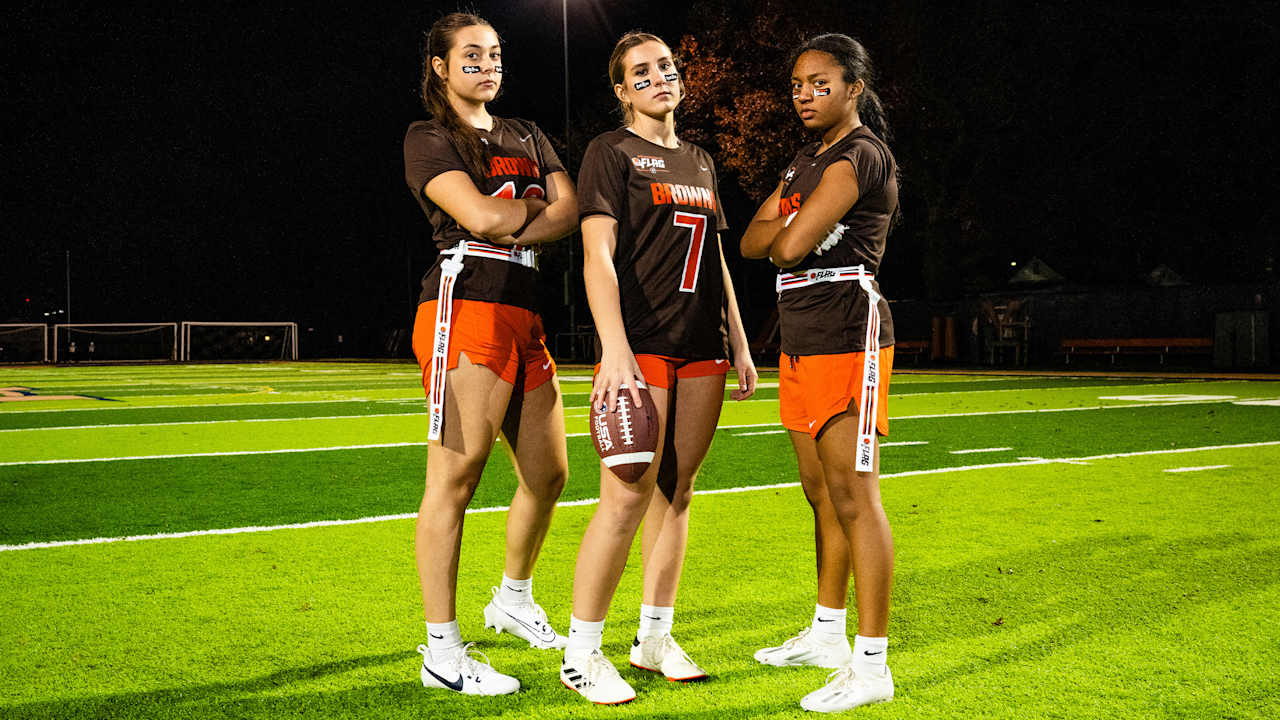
point(697, 225)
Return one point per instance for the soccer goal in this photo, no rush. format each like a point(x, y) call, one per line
point(115, 342)
point(24, 343)
point(239, 340)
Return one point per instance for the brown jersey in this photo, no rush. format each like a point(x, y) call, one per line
point(667, 205)
point(519, 160)
point(831, 317)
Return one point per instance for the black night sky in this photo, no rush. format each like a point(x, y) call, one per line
point(244, 163)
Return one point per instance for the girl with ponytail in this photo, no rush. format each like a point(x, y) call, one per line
point(825, 228)
point(493, 190)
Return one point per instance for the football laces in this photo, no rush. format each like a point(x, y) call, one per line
point(833, 237)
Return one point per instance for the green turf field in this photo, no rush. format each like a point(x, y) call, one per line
point(1066, 547)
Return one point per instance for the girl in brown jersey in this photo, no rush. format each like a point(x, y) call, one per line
point(491, 187)
point(825, 228)
point(658, 285)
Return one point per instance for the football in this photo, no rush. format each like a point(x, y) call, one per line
point(626, 438)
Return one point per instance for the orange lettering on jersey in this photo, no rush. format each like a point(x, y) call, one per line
point(499, 166)
point(675, 193)
point(788, 205)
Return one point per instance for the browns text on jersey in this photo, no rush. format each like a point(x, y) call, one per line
point(499, 166)
point(677, 194)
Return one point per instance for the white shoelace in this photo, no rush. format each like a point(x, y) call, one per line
point(669, 644)
point(799, 638)
point(468, 660)
point(598, 668)
point(842, 679)
point(540, 615)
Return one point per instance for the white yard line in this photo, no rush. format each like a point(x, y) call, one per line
point(591, 501)
point(211, 454)
point(161, 407)
point(212, 422)
point(569, 415)
point(979, 450)
point(1196, 469)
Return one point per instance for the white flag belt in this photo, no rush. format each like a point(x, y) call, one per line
point(449, 269)
point(470, 248)
point(791, 281)
point(868, 409)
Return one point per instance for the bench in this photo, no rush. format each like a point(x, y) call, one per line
point(1136, 346)
point(912, 348)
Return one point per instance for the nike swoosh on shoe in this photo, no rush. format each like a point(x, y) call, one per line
point(455, 685)
point(544, 638)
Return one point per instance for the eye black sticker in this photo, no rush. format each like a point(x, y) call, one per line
point(795, 96)
point(497, 69)
point(643, 84)
point(671, 77)
point(819, 92)
point(471, 69)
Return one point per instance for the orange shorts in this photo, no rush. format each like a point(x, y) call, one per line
point(506, 339)
point(813, 389)
point(662, 370)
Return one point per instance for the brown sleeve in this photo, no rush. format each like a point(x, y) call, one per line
point(722, 223)
point(868, 165)
point(547, 157)
point(427, 153)
point(602, 182)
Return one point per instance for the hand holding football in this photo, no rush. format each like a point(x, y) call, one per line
point(627, 438)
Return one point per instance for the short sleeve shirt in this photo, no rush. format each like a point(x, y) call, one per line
point(667, 204)
point(831, 317)
point(519, 160)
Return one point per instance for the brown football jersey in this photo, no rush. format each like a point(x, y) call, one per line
point(667, 205)
point(831, 317)
point(519, 160)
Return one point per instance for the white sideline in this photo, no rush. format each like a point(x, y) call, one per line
point(567, 415)
point(568, 435)
point(592, 501)
point(211, 454)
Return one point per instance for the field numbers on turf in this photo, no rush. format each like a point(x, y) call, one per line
point(1167, 398)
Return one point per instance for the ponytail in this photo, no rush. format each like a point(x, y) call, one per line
point(850, 55)
point(466, 139)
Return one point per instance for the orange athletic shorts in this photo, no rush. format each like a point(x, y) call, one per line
point(813, 389)
point(506, 339)
point(662, 370)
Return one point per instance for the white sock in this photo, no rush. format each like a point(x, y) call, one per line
point(583, 638)
point(829, 624)
point(443, 639)
point(870, 652)
point(516, 592)
point(655, 620)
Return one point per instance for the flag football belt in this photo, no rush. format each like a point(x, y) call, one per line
point(868, 409)
point(449, 269)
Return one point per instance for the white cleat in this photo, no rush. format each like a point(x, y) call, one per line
point(848, 688)
point(660, 653)
point(806, 649)
point(596, 679)
point(466, 671)
point(527, 621)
